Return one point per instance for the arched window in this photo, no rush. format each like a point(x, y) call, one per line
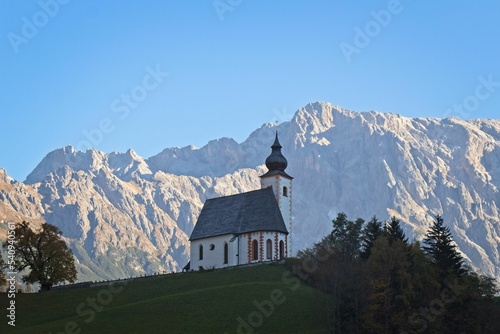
point(285, 191)
point(201, 252)
point(255, 250)
point(226, 253)
point(282, 249)
point(269, 249)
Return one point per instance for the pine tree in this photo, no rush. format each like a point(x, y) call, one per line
point(441, 249)
point(395, 232)
point(372, 231)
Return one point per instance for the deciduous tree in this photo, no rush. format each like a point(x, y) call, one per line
point(346, 236)
point(389, 297)
point(44, 254)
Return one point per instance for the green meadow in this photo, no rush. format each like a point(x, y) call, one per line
point(254, 299)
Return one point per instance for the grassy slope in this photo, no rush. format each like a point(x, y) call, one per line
point(205, 302)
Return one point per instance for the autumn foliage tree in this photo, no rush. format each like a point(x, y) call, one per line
point(44, 254)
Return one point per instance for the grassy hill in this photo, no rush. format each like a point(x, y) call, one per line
point(256, 299)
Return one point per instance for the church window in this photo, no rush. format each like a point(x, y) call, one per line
point(255, 250)
point(226, 253)
point(212, 247)
point(285, 191)
point(201, 252)
point(282, 249)
point(269, 249)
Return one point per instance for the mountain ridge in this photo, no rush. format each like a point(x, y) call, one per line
point(133, 215)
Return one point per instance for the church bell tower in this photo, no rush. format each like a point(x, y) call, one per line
point(281, 183)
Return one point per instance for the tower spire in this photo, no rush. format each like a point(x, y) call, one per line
point(281, 183)
point(276, 142)
point(276, 163)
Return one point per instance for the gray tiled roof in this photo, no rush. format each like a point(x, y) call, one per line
point(242, 213)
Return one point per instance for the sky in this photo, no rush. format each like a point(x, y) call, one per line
point(148, 75)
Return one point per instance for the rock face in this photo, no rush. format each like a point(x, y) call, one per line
point(18, 202)
point(124, 215)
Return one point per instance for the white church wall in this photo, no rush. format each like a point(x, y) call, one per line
point(243, 249)
point(213, 252)
point(215, 257)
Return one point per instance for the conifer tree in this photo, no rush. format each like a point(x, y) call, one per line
point(394, 231)
point(400, 287)
point(372, 231)
point(441, 249)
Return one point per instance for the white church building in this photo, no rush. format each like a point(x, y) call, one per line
point(247, 228)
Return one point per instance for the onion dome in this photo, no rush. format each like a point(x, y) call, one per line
point(276, 163)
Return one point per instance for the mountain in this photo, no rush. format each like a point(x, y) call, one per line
point(18, 202)
point(124, 215)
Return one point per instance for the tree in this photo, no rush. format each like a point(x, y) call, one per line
point(43, 252)
point(481, 315)
point(394, 231)
point(389, 297)
point(400, 287)
point(371, 232)
point(441, 249)
point(346, 236)
point(338, 272)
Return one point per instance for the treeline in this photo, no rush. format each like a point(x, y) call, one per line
point(379, 282)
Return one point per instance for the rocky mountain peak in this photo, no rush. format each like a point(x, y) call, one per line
point(314, 118)
point(128, 165)
point(67, 156)
point(4, 177)
point(123, 214)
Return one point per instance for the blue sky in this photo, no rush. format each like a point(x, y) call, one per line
point(148, 75)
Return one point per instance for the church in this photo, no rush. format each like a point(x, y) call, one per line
point(251, 227)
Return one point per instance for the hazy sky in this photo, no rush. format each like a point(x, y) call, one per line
point(148, 75)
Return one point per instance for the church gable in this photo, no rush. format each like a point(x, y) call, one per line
point(242, 213)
